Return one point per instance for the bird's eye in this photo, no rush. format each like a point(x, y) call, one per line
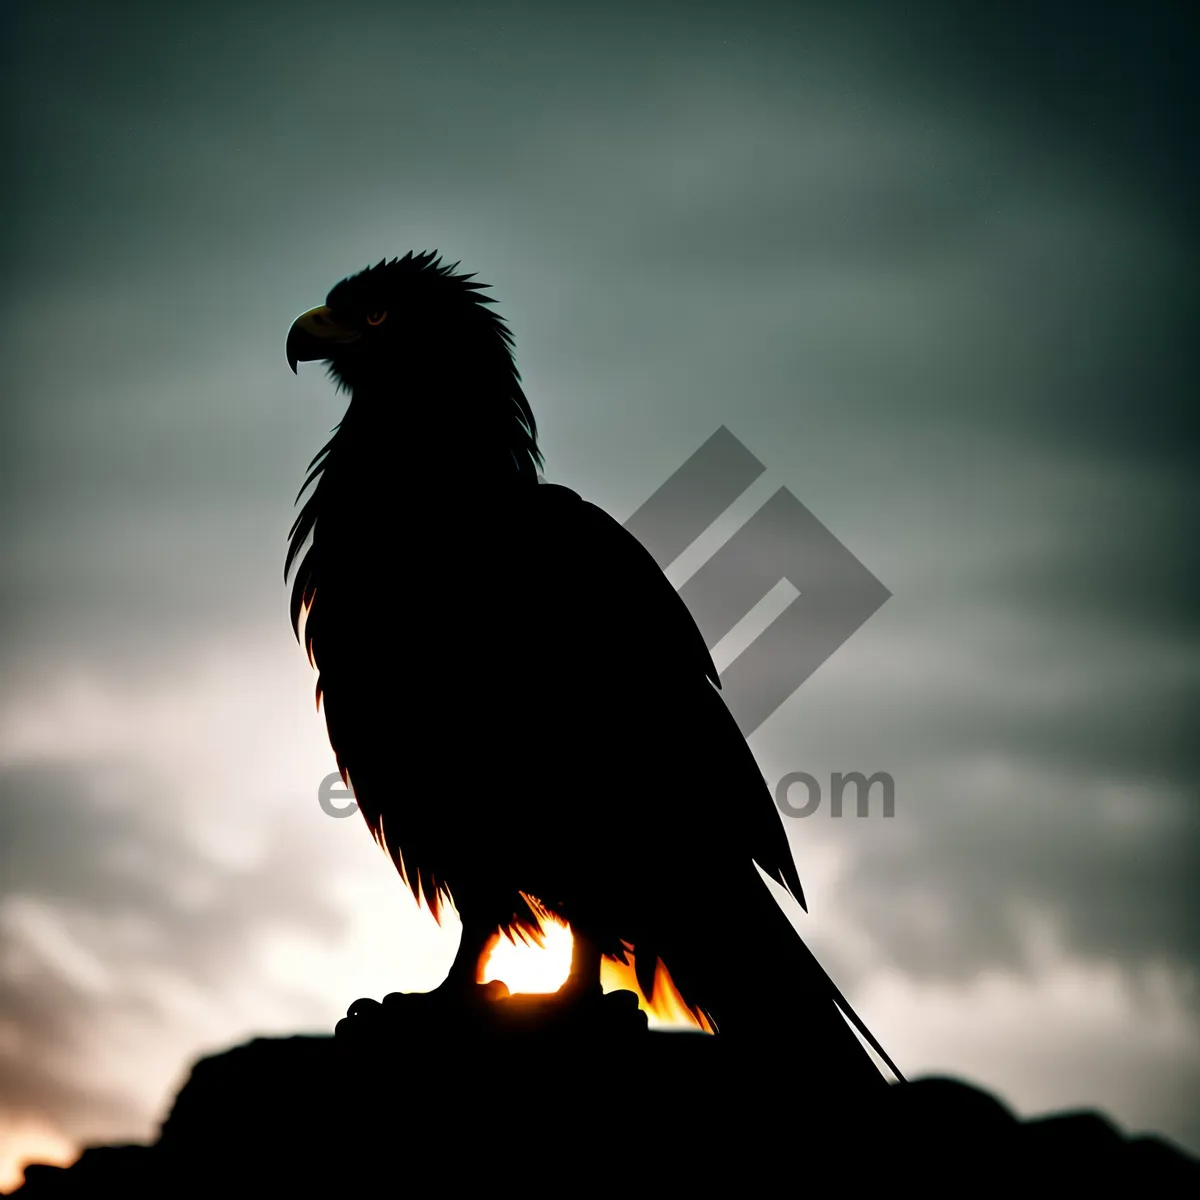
point(377, 318)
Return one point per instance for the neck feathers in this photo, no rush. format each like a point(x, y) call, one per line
point(392, 451)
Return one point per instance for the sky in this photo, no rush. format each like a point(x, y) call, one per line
point(931, 267)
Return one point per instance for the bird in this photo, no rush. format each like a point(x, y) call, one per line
point(524, 708)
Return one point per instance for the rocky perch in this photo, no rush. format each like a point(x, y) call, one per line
point(415, 1094)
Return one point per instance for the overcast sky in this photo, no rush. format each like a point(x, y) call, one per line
point(933, 270)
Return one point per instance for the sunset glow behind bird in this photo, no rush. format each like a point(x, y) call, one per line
point(524, 966)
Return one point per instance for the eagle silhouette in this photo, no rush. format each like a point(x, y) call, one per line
point(523, 706)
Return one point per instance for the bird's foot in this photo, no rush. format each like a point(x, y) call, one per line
point(486, 1008)
point(453, 1001)
point(575, 1010)
point(455, 994)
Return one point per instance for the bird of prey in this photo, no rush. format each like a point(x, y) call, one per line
point(522, 704)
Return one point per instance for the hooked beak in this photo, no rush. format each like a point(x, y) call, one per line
point(314, 336)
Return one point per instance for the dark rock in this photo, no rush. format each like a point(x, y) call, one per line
point(416, 1093)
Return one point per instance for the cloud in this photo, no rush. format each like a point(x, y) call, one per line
point(162, 901)
point(1061, 1032)
point(934, 279)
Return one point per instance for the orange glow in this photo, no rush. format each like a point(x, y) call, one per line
point(306, 603)
point(527, 967)
point(26, 1140)
point(667, 1008)
point(541, 964)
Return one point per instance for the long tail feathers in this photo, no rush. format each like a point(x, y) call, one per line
point(853, 1017)
point(770, 992)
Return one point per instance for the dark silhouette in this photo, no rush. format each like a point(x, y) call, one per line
point(509, 684)
point(395, 1103)
point(524, 708)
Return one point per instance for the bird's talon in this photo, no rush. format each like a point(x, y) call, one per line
point(575, 993)
point(622, 1001)
point(449, 995)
